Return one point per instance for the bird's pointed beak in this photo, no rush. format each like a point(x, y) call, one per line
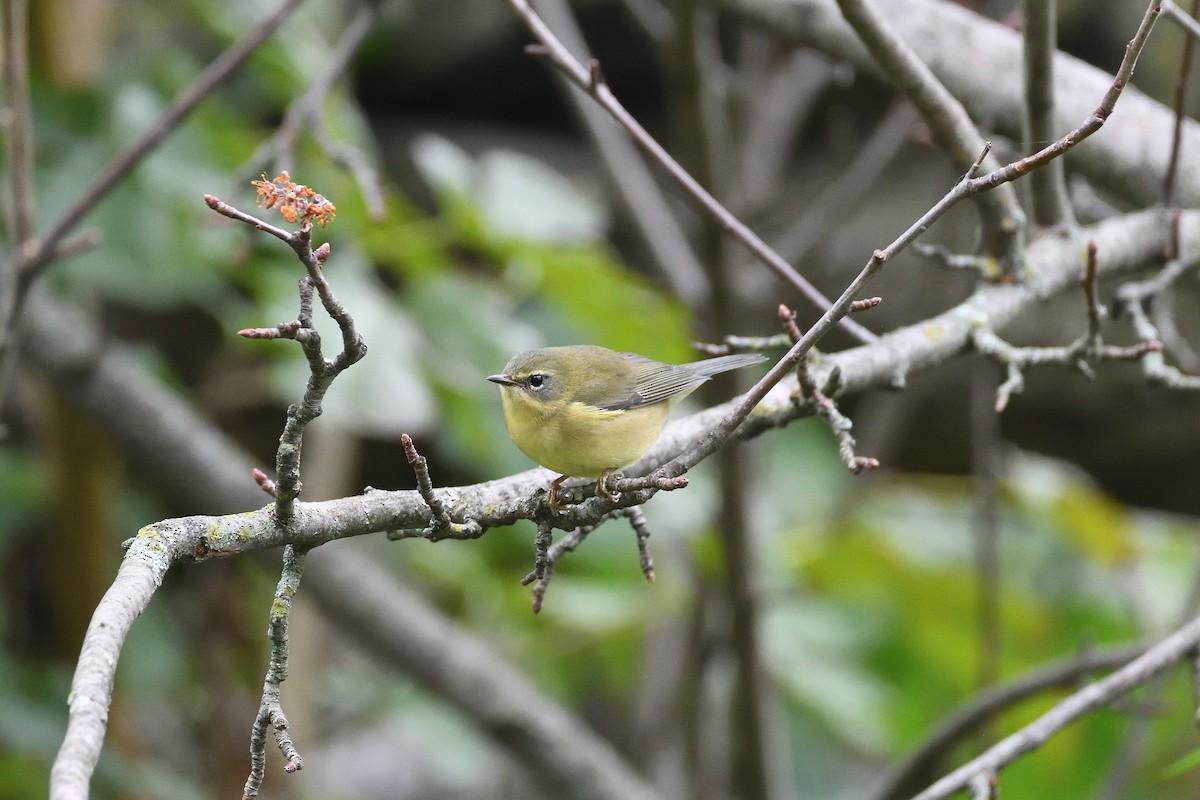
point(503, 380)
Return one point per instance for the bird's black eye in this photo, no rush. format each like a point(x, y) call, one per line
point(537, 381)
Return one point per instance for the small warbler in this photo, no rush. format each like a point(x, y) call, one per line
point(587, 411)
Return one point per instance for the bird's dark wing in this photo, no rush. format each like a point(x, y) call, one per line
point(654, 381)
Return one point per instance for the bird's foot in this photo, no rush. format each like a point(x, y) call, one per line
point(556, 506)
point(609, 475)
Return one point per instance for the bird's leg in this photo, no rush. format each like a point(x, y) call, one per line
point(554, 484)
point(602, 489)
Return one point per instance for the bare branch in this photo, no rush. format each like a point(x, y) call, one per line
point(1154, 364)
point(280, 148)
point(1051, 204)
point(1184, 20)
point(1093, 123)
point(1002, 217)
point(548, 552)
point(976, 711)
point(18, 139)
point(298, 202)
point(34, 258)
point(441, 526)
point(644, 203)
point(196, 465)
point(808, 393)
point(270, 711)
point(967, 186)
point(583, 77)
point(1079, 354)
point(1156, 660)
point(1172, 11)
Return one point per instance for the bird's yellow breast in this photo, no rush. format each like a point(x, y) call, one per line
point(579, 440)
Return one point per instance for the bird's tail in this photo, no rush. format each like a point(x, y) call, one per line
point(715, 366)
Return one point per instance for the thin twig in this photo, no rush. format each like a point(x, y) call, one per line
point(1048, 186)
point(1154, 366)
point(280, 147)
point(1100, 694)
point(547, 552)
point(641, 530)
point(441, 526)
point(968, 717)
point(807, 392)
point(300, 204)
point(1180, 97)
point(1001, 215)
point(543, 567)
point(1135, 737)
point(1163, 316)
point(34, 256)
point(270, 710)
point(984, 786)
point(743, 344)
point(637, 191)
point(586, 79)
point(18, 138)
point(1177, 15)
point(1132, 299)
point(987, 266)
point(1090, 272)
point(22, 205)
point(1078, 355)
point(1092, 124)
point(299, 200)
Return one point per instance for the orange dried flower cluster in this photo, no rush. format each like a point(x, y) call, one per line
point(296, 202)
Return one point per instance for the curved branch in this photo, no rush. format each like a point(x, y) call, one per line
point(968, 717)
point(140, 575)
point(1153, 662)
